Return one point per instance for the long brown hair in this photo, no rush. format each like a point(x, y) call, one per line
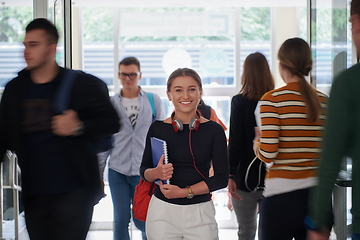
point(256, 78)
point(295, 55)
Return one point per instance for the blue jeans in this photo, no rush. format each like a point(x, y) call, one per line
point(122, 189)
point(356, 236)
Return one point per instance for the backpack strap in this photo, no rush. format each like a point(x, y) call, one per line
point(62, 95)
point(150, 97)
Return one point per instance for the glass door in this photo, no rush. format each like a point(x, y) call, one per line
point(14, 16)
point(56, 15)
point(330, 41)
point(332, 50)
point(13, 20)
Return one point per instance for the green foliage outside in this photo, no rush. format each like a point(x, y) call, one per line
point(97, 23)
point(254, 23)
point(323, 29)
point(340, 25)
point(13, 21)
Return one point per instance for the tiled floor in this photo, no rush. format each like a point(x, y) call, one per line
point(224, 234)
point(103, 216)
point(101, 228)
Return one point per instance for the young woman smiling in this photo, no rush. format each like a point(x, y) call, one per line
point(183, 209)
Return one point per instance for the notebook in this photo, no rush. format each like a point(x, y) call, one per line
point(158, 148)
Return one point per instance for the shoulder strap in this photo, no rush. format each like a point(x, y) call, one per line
point(62, 95)
point(150, 97)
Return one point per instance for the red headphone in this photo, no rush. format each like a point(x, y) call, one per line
point(194, 124)
point(177, 125)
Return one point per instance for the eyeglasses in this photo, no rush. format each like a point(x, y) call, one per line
point(130, 75)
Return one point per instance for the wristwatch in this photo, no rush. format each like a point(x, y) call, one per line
point(79, 130)
point(191, 194)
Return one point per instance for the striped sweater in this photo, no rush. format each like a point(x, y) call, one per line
point(288, 142)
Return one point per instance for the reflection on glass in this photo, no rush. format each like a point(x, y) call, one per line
point(332, 50)
point(331, 43)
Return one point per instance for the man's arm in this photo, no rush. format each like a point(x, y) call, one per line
point(90, 99)
point(92, 115)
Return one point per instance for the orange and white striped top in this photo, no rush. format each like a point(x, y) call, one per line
point(288, 141)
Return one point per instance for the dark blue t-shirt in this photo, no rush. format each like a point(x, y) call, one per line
point(45, 159)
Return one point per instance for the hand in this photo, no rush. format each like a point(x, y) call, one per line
point(103, 187)
point(172, 191)
point(65, 124)
point(164, 171)
point(256, 148)
point(257, 134)
point(229, 203)
point(232, 189)
point(314, 235)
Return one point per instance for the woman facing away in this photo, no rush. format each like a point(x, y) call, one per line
point(183, 208)
point(247, 173)
point(292, 119)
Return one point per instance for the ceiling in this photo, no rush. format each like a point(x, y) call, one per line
point(168, 3)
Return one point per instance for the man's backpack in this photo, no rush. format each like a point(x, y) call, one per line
point(150, 97)
point(61, 103)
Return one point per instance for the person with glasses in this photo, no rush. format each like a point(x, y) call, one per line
point(135, 110)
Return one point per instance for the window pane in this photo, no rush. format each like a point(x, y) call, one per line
point(13, 20)
point(331, 41)
point(98, 42)
point(165, 39)
point(55, 16)
point(221, 106)
point(303, 22)
point(255, 33)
